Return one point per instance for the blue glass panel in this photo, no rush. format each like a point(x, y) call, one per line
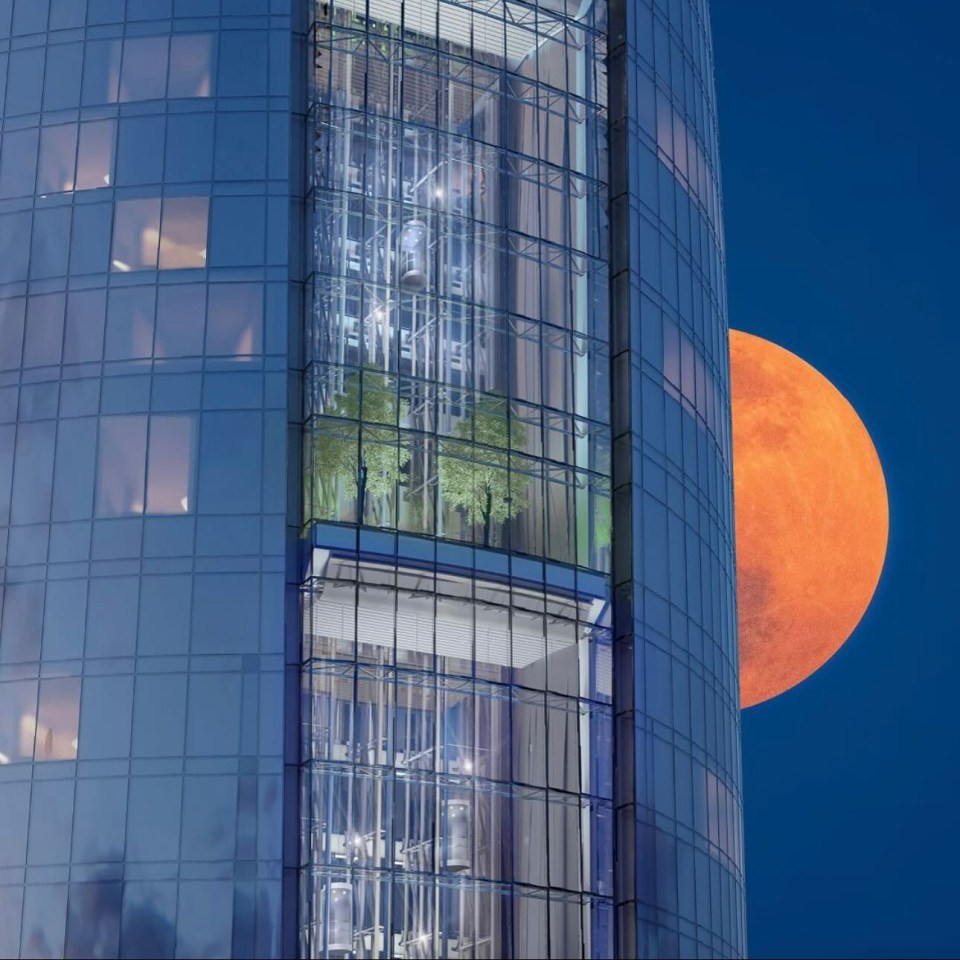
point(99, 822)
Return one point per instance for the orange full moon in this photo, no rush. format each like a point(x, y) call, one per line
point(811, 516)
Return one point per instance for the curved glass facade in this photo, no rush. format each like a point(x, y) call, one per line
point(517, 309)
point(677, 793)
point(144, 285)
point(457, 715)
point(366, 541)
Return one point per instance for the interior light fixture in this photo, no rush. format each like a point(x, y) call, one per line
point(121, 266)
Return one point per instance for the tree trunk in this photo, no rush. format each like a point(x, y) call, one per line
point(486, 518)
point(361, 492)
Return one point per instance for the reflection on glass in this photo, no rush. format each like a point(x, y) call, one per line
point(129, 323)
point(136, 234)
point(170, 464)
point(430, 716)
point(18, 163)
point(180, 310)
point(121, 457)
point(183, 238)
point(58, 718)
point(18, 709)
point(58, 151)
point(144, 72)
point(95, 154)
point(101, 71)
point(235, 319)
point(191, 58)
point(143, 239)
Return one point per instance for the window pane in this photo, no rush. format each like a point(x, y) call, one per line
point(230, 462)
point(18, 162)
point(62, 90)
point(120, 466)
point(191, 58)
point(180, 312)
point(11, 332)
point(14, 250)
point(112, 617)
point(235, 319)
point(213, 714)
point(58, 153)
point(209, 818)
point(58, 719)
point(149, 924)
point(170, 464)
point(140, 151)
point(101, 71)
point(63, 620)
point(136, 234)
point(165, 696)
point(44, 918)
point(18, 720)
point(44, 333)
point(183, 241)
point(32, 479)
point(76, 455)
point(99, 820)
point(95, 154)
point(90, 242)
point(51, 243)
point(189, 147)
point(144, 75)
point(164, 615)
point(83, 336)
point(153, 826)
point(24, 81)
point(130, 323)
point(105, 717)
point(15, 803)
point(51, 820)
point(11, 906)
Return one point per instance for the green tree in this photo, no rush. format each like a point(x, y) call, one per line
point(474, 472)
point(368, 396)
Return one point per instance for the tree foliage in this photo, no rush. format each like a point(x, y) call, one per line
point(474, 471)
point(368, 457)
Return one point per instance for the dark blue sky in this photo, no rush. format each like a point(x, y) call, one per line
point(841, 160)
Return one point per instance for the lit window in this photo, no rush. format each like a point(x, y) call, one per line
point(136, 234)
point(58, 720)
point(142, 239)
point(183, 238)
point(170, 464)
point(120, 466)
point(18, 708)
point(135, 475)
point(95, 155)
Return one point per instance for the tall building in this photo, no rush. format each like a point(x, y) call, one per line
point(365, 482)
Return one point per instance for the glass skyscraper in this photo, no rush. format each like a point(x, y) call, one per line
point(365, 482)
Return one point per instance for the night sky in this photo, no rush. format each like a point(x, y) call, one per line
point(841, 162)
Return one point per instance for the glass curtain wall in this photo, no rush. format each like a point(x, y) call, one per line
point(679, 806)
point(145, 207)
point(456, 708)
